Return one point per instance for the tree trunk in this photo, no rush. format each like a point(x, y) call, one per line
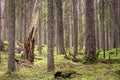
point(20, 22)
point(1, 42)
point(90, 45)
point(60, 34)
point(50, 56)
point(75, 20)
point(29, 47)
point(107, 31)
point(103, 28)
point(39, 28)
point(3, 19)
point(45, 33)
point(25, 15)
point(11, 41)
point(80, 25)
point(97, 27)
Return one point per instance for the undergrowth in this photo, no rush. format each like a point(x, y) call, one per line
point(104, 69)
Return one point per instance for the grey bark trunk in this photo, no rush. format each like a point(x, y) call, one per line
point(90, 45)
point(75, 20)
point(39, 28)
point(50, 56)
point(60, 34)
point(11, 41)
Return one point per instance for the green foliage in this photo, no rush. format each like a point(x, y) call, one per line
point(5, 45)
point(17, 56)
point(20, 44)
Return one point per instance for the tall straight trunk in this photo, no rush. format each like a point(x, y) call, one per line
point(25, 15)
point(0, 21)
point(75, 20)
point(103, 28)
point(39, 28)
point(60, 34)
point(107, 31)
point(90, 43)
point(50, 56)
point(80, 24)
point(1, 42)
point(97, 27)
point(45, 32)
point(11, 41)
point(21, 16)
point(119, 19)
point(23, 26)
point(3, 19)
point(111, 28)
point(71, 29)
point(116, 24)
point(68, 33)
point(0, 32)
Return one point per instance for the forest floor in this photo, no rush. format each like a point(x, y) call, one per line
point(104, 69)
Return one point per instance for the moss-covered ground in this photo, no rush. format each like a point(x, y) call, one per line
point(104, 69)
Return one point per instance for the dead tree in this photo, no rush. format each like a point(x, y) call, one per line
point(29, 47)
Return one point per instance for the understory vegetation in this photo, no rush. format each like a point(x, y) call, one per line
point(103, 69)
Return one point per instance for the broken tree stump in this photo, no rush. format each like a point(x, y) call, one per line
point(29, 48)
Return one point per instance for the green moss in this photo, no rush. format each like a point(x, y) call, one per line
point(5, 43)
point(98, 71)
point(89, 60)
point(5, 46)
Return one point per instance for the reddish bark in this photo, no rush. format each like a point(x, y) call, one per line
point(29, 47)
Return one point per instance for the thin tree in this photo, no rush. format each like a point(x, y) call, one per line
point(1, 42)
point(103, 27)
point(2, 19)
point(90, 45)
point(97, 26)
point(60, 34)
point(75, 20)
point(11, 41)
point(24, 19)
point(50, 56)
point(39, 27)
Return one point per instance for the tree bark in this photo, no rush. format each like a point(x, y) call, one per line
point(90, 45)
point(39, 28)
point(29, 47)
point(60, 34)
point(97, 27)
point(25, 15)
point(11, 41)
point(45, 33)
point(103, 27)
point(3, 19)
point(75, 22)
point(50, 56)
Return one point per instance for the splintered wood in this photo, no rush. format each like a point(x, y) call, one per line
point(29, 47)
